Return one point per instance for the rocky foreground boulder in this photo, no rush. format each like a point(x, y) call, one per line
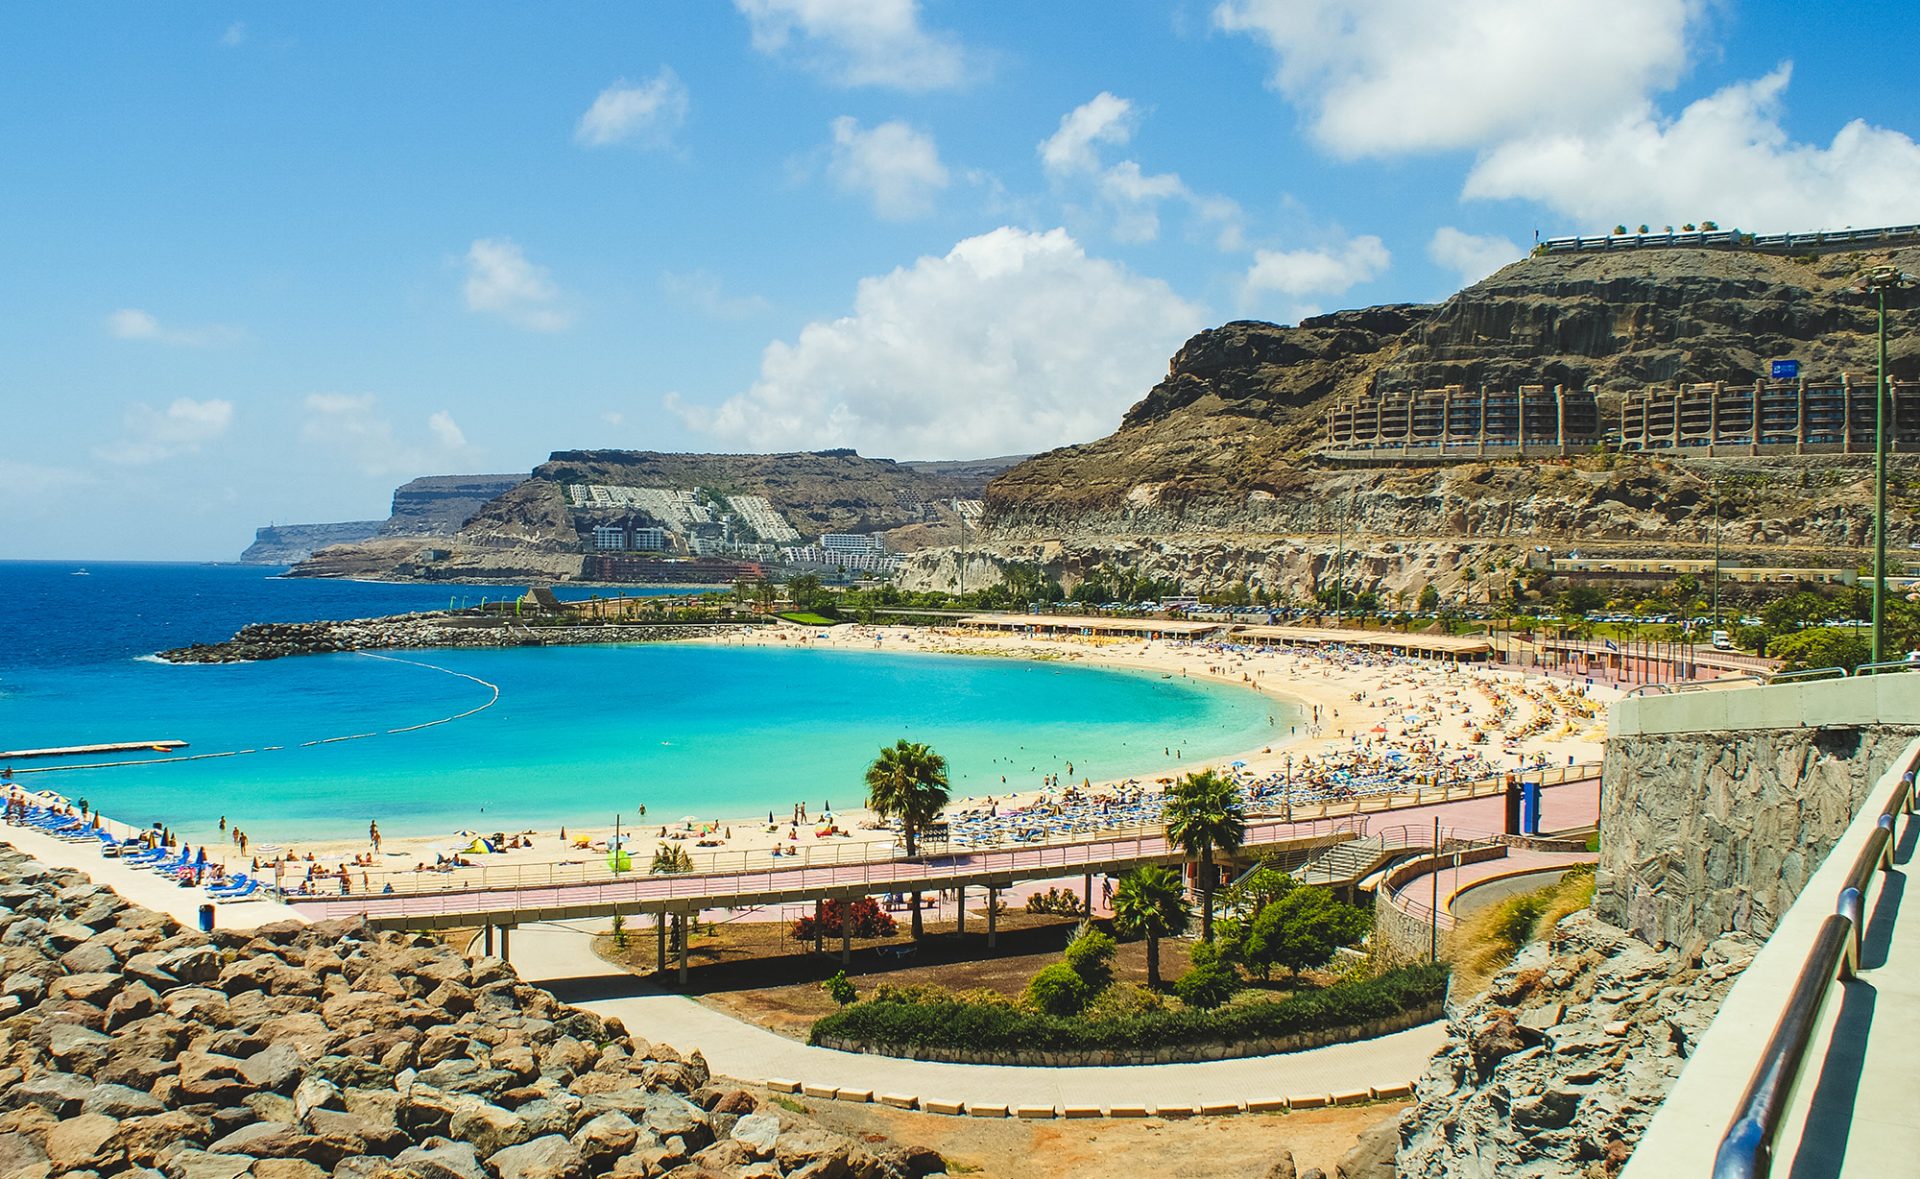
point(132, 1047)
point(1556, 1070)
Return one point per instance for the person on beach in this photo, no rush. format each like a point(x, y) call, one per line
point(373, 833)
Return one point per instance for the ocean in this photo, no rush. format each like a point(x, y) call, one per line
point(570, 735)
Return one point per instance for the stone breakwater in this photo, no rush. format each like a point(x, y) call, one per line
point(276, 640)
point(1556, 1070)
point(130, 1047)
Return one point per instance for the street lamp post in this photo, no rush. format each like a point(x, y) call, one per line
point(1880, 280)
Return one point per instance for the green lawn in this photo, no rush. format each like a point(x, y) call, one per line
point(810, 619)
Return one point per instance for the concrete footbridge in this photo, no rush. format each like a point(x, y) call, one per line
point(505, 900)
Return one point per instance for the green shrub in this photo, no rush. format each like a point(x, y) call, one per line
point(1207, 984)
point(840, 987)
point(998, 1024)
point(910, 993)
point(1090, 954)
point(1124, 1001)
point(1058, 990)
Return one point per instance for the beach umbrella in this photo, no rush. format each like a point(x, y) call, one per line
point(619, 861)
point(463, 833)
point(1239, 765)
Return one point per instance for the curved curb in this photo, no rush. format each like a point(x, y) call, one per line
point(951, 1108)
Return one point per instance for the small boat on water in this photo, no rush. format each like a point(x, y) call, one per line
point(81, 573)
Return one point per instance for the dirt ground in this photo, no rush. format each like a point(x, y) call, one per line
point(1242, 1147)
point(757, 973)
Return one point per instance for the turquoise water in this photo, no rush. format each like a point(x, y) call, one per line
point(579, 734)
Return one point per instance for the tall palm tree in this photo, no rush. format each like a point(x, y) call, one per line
point(1204, 815)
point(1151, 902)
point(908, 782)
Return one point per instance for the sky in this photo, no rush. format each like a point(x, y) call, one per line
point(264, 262)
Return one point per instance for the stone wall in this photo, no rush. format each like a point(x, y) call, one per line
point(1707, 832)
point(1401, 938)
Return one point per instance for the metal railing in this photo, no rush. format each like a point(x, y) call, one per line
point(1778, 677)
point(1453, 842)
point(1746, 1149)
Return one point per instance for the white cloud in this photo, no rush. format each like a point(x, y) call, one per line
point(351, 425)
point(1472, 256)
point(859, 42)
point(1382, 76)
point(1013, 341)
point(235, 35)
point(704, 291)
point(1327, 271)
point(131, 323)
point(892, 165)
point(151, 435)
point(446, 431)
point(648, 114)
point(501, 281)
point(1130, 195)
point(1104, 119)
point(1726, 157)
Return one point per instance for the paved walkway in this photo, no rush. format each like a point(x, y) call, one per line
point(1859, 1092)
point(1412, 896)
point(561, 958)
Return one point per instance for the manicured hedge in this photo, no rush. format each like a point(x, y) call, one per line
point(949, 1023)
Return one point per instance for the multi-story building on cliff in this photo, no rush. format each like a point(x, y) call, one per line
point(1456, 423)
point(1769, 417)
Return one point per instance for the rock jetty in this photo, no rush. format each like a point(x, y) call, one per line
point(131, 1047)
point(275, 640)
point(1556, 1070)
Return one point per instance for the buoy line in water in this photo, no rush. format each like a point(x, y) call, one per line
point(492, 699)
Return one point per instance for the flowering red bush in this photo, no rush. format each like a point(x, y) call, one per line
point(869, 920)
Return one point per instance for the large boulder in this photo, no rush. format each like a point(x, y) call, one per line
point(547, 1157)
point(119, 1102)
point(437, 1158)
point(84, 1143)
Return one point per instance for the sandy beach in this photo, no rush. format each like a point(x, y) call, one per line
point(1345, 708)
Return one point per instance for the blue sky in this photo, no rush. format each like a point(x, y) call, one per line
point(265, 262)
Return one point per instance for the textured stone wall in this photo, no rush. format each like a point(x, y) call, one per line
point(1704, 833)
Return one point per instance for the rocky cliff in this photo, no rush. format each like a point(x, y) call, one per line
point(533, 529)
point(437, 505)
point(1212, 472)
point(289, 544)
point(1555, 1071)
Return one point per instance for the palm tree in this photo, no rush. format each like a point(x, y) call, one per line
point(1151, 902)
point(1204, 814)
point(908, 782)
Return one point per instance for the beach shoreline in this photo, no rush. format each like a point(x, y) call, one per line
point(1361, 696)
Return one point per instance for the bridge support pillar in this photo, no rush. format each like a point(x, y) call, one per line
point(486, 944)
point(993, 905)
point(819, 924)
point(660, 928)
point(960, 922)
point(1089, 895)
point(686, 936)
point(504, 931)
point(846, 932)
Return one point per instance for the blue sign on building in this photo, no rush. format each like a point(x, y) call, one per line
point(1786, 370)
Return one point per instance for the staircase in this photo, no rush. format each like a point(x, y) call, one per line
point(1344, 864)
